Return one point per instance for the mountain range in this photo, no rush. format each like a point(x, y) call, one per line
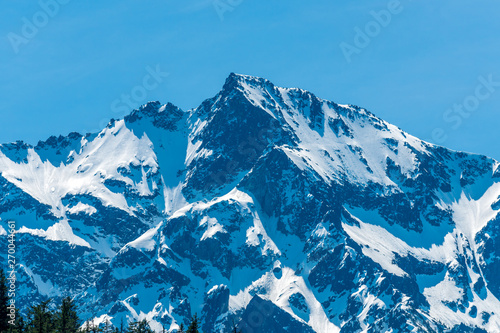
point(264, 206)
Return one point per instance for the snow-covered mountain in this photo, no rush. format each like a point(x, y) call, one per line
point(264, 206)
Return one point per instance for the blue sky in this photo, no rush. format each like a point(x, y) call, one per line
point(429, 67)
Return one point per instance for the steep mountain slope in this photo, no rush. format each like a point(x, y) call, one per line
point(265, 206)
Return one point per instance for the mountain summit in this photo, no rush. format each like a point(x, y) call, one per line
point(264, 206)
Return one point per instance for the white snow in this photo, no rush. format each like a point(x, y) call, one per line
point(212, 227)
point(368, 300)
point(380, 245)
point(174, 199)
point(44, 287)
point(82, 208)
point(472, 215)
point(278, 291)
point(147, 240)
point(61, 231)
point(98, 160)
point(368, 143)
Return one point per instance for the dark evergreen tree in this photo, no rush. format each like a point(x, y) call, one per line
point(194, 326)
point(235, 328)
point(41, 319)
point(19, 324)
point(95, 328)
point(66, 319)
point(4, 303)
point(122, 327)
point(87, 326)
point(139, 327)
point(90, 327)
point(107, 327)
point(113, 329)
point(181, 328)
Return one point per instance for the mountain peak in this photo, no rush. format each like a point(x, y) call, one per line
point(163, 116)
point(235, 81)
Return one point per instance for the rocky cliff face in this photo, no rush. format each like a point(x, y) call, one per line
point(264, 206)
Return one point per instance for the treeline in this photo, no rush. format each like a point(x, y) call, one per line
point(40, 319)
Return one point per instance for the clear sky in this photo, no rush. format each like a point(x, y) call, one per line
point(430, 67)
